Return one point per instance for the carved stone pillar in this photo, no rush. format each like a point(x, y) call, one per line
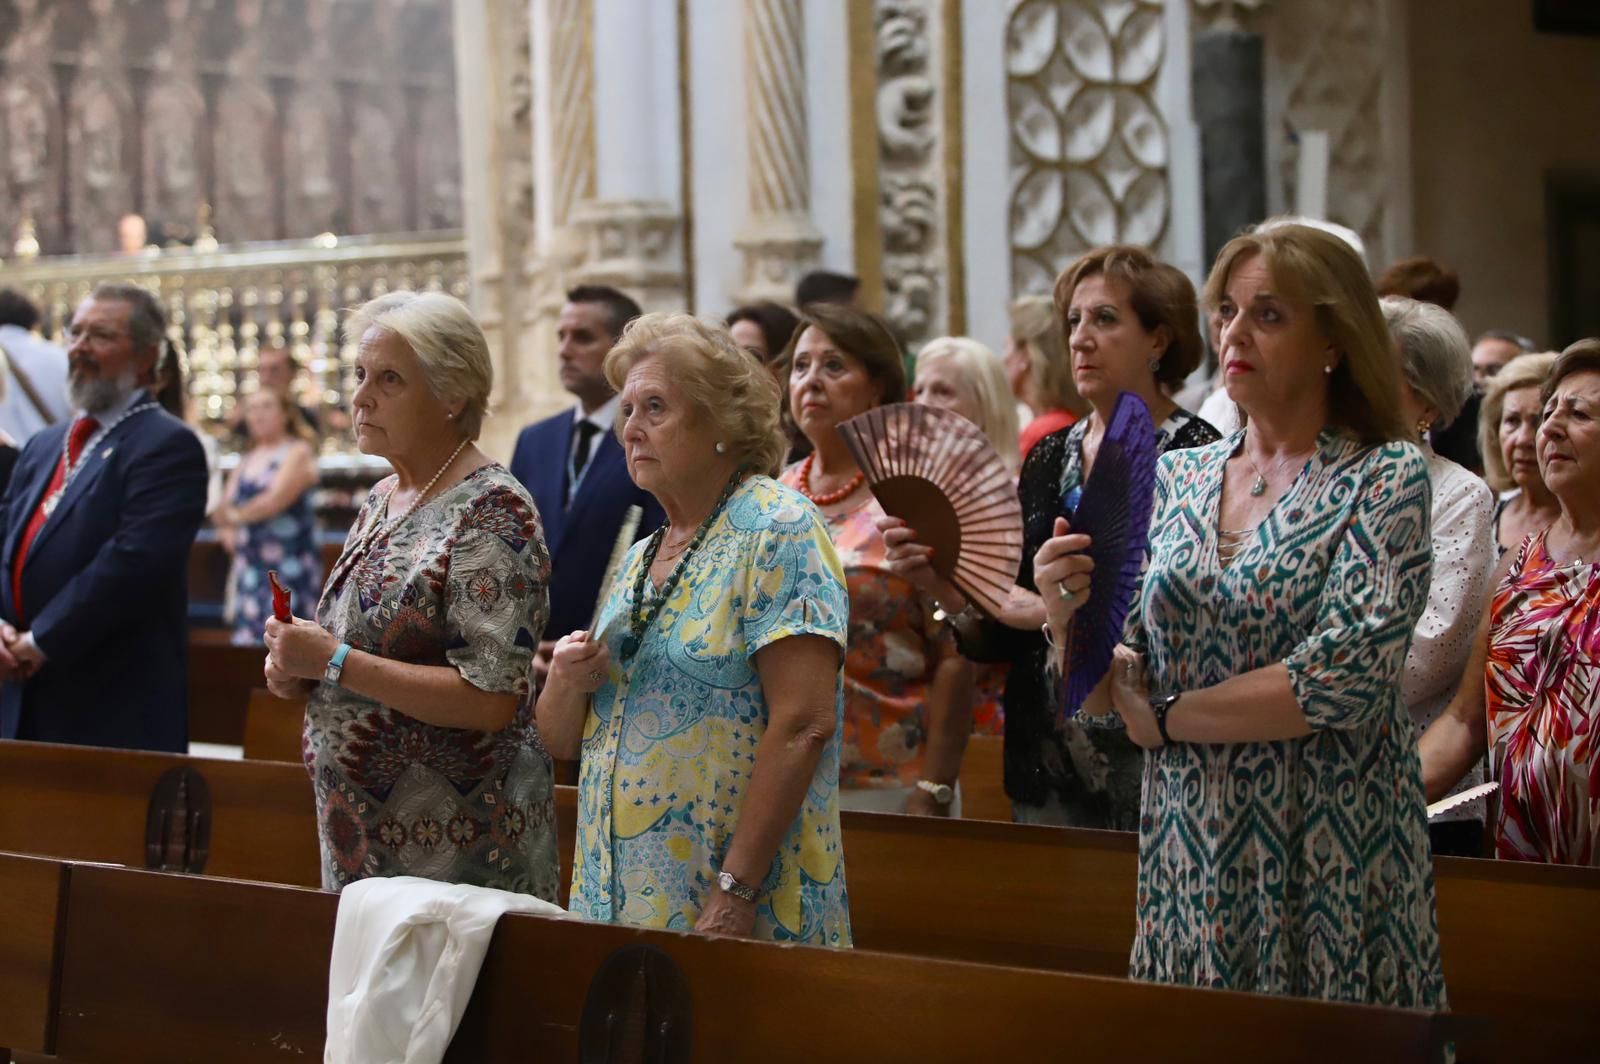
point(779, 241)
point(494, 100)
point(564, 149)
point(1229, 107)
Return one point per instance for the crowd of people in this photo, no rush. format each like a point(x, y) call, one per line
point(1339, 620)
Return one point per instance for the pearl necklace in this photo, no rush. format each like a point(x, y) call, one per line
point(378, 524)
point(74, 468)
point(829, 498)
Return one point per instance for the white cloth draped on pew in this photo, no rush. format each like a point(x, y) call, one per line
point(406, 954)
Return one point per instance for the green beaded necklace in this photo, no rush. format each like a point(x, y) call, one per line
point(639, 622)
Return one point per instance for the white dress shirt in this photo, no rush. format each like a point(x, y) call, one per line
point(1458, 592)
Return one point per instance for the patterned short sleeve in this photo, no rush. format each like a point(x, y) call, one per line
point(794, 584)
point(1345, 671)
point(497, 593)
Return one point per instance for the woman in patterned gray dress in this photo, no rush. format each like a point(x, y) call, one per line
point(419, 732)
point(1283, 845)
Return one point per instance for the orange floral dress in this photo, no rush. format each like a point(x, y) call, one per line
point(894, 648)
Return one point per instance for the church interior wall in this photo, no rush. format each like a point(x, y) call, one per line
point(1496, 107)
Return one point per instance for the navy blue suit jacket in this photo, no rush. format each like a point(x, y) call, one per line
point(104, 587)
point(579, 537)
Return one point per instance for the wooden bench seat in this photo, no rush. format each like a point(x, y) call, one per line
point(161, 968)
point(33, 893)
point(1048, 898)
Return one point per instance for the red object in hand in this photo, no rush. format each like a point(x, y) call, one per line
point(280, 597)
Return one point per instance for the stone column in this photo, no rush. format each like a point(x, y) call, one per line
point(1230, 109)
point(493, 96)
point(779, 240)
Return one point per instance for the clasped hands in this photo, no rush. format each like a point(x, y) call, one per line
point(297, 655)
point(20, 658)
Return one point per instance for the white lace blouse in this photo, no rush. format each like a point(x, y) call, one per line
point(1463, 562)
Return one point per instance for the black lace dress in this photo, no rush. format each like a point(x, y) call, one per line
point(1038, 755)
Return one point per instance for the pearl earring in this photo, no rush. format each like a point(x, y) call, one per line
point(1155, 364)
point(1328, 370)
point(722, 448)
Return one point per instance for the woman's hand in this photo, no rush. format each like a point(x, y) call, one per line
point(726, 915)
point(1061, 571)
point(1130, 697)
point(579, 663)
point(910, 559)
point(281, 685)
point(299, 648)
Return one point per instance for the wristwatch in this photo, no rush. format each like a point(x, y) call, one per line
point(942, 793)
point(732, 886)
point(1161, 705)
point(336, 664)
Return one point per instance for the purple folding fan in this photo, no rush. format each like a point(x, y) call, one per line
point(1114, 511)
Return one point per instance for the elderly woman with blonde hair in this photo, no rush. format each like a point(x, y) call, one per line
point(965, 377)
point(419, 729)
point(1508, 435)
point(1040, 371)
point(706, 704)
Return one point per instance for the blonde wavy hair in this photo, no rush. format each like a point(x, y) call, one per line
point(724, 383)
point(1524, 371)
point(1037, 328)
point(983, 380)
point(1317, 269)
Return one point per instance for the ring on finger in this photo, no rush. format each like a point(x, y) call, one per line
point(1061, 589)
point(594, 676)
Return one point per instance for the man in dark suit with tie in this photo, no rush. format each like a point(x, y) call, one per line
point(574, 468)
point(97, 524)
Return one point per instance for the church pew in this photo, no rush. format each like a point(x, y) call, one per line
point(173, 968)
point(32, 898)
point(221, 677)
point(1051, 898)
point(273, 727)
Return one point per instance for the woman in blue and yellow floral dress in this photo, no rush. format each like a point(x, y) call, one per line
point(1283, 845)
point(707, 703)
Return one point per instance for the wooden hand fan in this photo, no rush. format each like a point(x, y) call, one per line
point(939, 473)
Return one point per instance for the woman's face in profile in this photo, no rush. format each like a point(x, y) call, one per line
point(1569, 437)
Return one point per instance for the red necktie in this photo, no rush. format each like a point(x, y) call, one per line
point(81, 430)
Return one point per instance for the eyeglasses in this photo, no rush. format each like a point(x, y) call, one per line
point(97, 335)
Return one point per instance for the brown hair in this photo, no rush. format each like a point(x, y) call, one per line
point(1582, 356)
point(1422, 279)
point(1161, 296)
point(293, 420)
point(1320, 271)
point(860, 334)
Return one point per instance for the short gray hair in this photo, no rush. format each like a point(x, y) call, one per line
point(446, 339)
point(147, 322)
point(1434, 354)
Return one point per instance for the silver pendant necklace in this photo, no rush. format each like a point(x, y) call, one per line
point(74, 468)
point(1259, 488)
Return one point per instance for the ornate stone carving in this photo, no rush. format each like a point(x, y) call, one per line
point(571, 107)
point(244, 135)
point(1088, 145)
point(912, 179)
point(101, 114)
point(1325, 71)
point(779, 241)
point(633, 245)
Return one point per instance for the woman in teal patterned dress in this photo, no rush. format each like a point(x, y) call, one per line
point(707, 704)
point(1283, 845)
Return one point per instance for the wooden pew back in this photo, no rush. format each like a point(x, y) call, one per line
point(33, 894)
point(159, 967)
point(983, 788)
point(273, 727)
point(221, 677)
